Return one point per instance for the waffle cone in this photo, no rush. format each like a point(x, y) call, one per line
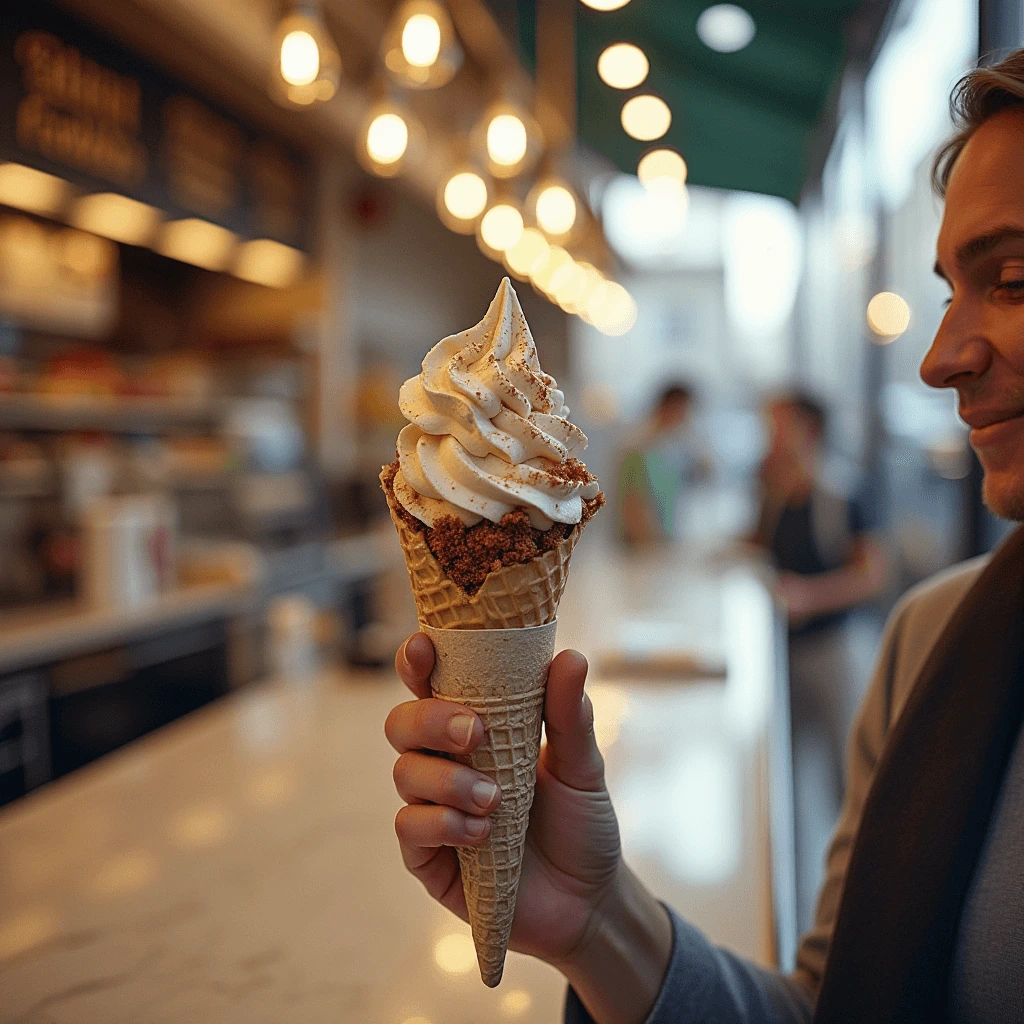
point(510, 598)
point(501, 674)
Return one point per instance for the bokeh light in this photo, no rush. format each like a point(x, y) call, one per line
point(888, 315)
point(542, 272)
point(611, 309)
point(726, 28)
point(25, 188)
point(198, 242)
point(506, 139)
point(501, 227)
point(556, 210)
point(529, 252)
point(660, 167)
point(308, 66)
point(273, 264)
point(421, 40)
point(646, 117)
point(623, 66)
point(455, 953)
point(605, 5)
point(116, 217)
point(465, 195)
point(387, 138)
point(300, 58)
point(567, 285)
point(516, 1002)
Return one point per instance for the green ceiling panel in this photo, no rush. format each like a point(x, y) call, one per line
point(742, 120)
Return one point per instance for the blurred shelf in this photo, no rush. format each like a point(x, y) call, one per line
point(37, 636)
point(116, 414)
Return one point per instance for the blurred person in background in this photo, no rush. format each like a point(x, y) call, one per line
point(920, 916)
point(827, 565)
point(654, 466)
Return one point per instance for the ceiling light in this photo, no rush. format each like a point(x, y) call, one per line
point(419, 47)
point(387, 138)
point(501, 227)
point(300, 58)
point(594, 280)
point(528, 253)
point(116, 217)
point(567, 284)
point(646, 118)
point(888, 315)
point(308, 67)
point(197, 242)
point(661, 166)
point(465, 195)
point(556, 209)
point(421, 40)
point(726, 28)
point(605, 5)
point(509, 139)
point(506, 139)
point(541, 273)
point(264, 261)
point(623, 66)
point(611, 309)
point(25, 188)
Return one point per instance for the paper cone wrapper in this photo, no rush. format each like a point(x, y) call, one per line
point(511, 597)
point(501, 674)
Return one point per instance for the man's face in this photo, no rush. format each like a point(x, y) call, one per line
point(979, 347)
point(673, 413)
point(793, 434)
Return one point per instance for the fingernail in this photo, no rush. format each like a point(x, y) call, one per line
point(476, 826)
point(484, 793)
point(460, 728)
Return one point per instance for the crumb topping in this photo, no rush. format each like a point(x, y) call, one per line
point(468, 554)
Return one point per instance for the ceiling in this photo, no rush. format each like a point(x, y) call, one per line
point(747, 120)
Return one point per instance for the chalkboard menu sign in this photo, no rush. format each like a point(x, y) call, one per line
point(77, 104)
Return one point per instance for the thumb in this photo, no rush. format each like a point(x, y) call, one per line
point(571, 755)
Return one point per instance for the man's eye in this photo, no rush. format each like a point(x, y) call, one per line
point(1014, 288)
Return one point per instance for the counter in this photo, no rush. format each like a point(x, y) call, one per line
point(45, 634)
point(240, 865)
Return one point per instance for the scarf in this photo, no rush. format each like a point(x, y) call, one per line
point(927, 812)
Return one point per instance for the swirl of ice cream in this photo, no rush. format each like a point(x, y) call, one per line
point(489, 430)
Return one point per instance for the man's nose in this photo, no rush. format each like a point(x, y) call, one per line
point(959, 353)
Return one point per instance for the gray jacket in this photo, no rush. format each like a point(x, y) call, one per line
point(705, 983)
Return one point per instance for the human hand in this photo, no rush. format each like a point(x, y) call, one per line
point(572, 857)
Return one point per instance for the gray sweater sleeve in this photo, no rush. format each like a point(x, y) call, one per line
point(705, 983)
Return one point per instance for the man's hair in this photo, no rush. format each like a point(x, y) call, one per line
point(979, 95)
point(679, 391)
point(807, 406)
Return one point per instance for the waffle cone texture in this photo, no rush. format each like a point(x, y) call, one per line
point(492, 652)
point(510, 598)
point(500, 674)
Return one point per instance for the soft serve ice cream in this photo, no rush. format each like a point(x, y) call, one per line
point(489, 445)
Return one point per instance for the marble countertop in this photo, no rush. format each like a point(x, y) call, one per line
point(241, 865)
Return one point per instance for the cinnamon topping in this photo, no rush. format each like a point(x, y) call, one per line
point(468, 554)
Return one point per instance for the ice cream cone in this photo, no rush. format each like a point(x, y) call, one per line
point(512, 597)
point(500, 674)
point(488, 467)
